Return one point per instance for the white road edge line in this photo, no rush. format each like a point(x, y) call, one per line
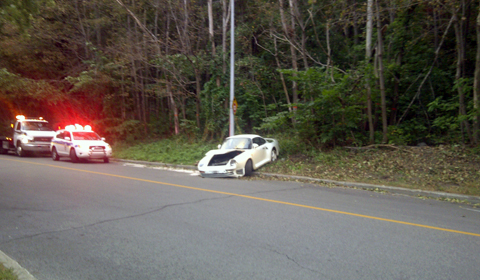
point(188, 171)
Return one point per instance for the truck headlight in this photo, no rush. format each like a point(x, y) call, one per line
point(25, 140)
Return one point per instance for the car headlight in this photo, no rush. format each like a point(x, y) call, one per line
point(232, 162)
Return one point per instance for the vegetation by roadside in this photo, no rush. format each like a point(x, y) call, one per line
point(7, 273)
point(446, 168)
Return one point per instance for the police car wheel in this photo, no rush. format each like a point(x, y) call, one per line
point(55, 154)
point(73, 156)
point(106, 160)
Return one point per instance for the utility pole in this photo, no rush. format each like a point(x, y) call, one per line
point(232, 67)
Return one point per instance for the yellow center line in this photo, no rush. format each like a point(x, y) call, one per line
point(258, 198)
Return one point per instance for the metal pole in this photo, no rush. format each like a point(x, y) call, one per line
point(232, 66)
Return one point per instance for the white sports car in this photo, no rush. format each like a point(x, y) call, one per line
point(239, 155)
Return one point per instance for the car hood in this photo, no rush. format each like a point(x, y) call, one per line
point(222, 152)
point(39, 133)
point(90, 143)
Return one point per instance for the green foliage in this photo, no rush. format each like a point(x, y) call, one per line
point(329, 113)
point(189, 129)
point(7, 273)
point(407, 133)
point(116, 129)
point(93, 61)
point(291, 144)
point(214, 109)
point(14, 87)
point(19, 12)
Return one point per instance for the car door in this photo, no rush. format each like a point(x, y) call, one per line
point(58, 143)
point(67, 142)
point(17, 132)
point(260, 152)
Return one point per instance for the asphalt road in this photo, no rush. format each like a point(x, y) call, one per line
point(61, 220)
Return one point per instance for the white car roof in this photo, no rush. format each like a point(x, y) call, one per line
point(244, 136)
point(74, 130)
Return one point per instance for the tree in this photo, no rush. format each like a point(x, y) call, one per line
point(381, 78)
point(476, 86)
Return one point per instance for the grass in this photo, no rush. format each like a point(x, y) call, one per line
point(446, 168)
point(7, 273)
point(175, 151)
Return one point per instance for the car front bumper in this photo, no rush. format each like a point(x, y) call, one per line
point(36, 147)
point(219, 173)
point(93, 154)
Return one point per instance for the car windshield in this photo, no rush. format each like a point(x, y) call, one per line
point(84, 135)
point(237, 143)
point(42, 126)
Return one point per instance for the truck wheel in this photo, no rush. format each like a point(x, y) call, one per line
point(55, 156)
point(20, 151)
point(2, 150)
point(73, 156)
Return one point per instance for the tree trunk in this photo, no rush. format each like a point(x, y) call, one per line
point(211, 35)
point(284, 85)
point(82, 28)
point(476, 86)
point(225, 20)
point(381, 76)
point(460, 47)
point(289, 31)
point(294, 54)
point(368, 56)
point(297, 17)
point(198, 89)
point(169, 84)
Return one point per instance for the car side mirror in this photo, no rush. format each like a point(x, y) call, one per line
point(255, 146)
point(103, 138)
point(219, 146)
point(67, 138)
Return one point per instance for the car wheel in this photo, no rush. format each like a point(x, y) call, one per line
point(73, 156)
point(106, 160)
point(248, 168)
point(20, 151)
point(273, 156)
point(55, 154)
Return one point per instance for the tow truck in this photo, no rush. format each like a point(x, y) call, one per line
point(28, 135)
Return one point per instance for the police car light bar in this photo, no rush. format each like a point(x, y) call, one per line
point(78, 127)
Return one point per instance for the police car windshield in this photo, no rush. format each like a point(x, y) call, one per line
point(237, 143)
point(42, 126)
point(84, 135)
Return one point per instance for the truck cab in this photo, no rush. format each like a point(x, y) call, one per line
point(29, 135)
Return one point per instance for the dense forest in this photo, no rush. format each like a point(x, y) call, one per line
point(329, 72)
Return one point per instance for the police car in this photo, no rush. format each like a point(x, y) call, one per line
point(78, 142)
